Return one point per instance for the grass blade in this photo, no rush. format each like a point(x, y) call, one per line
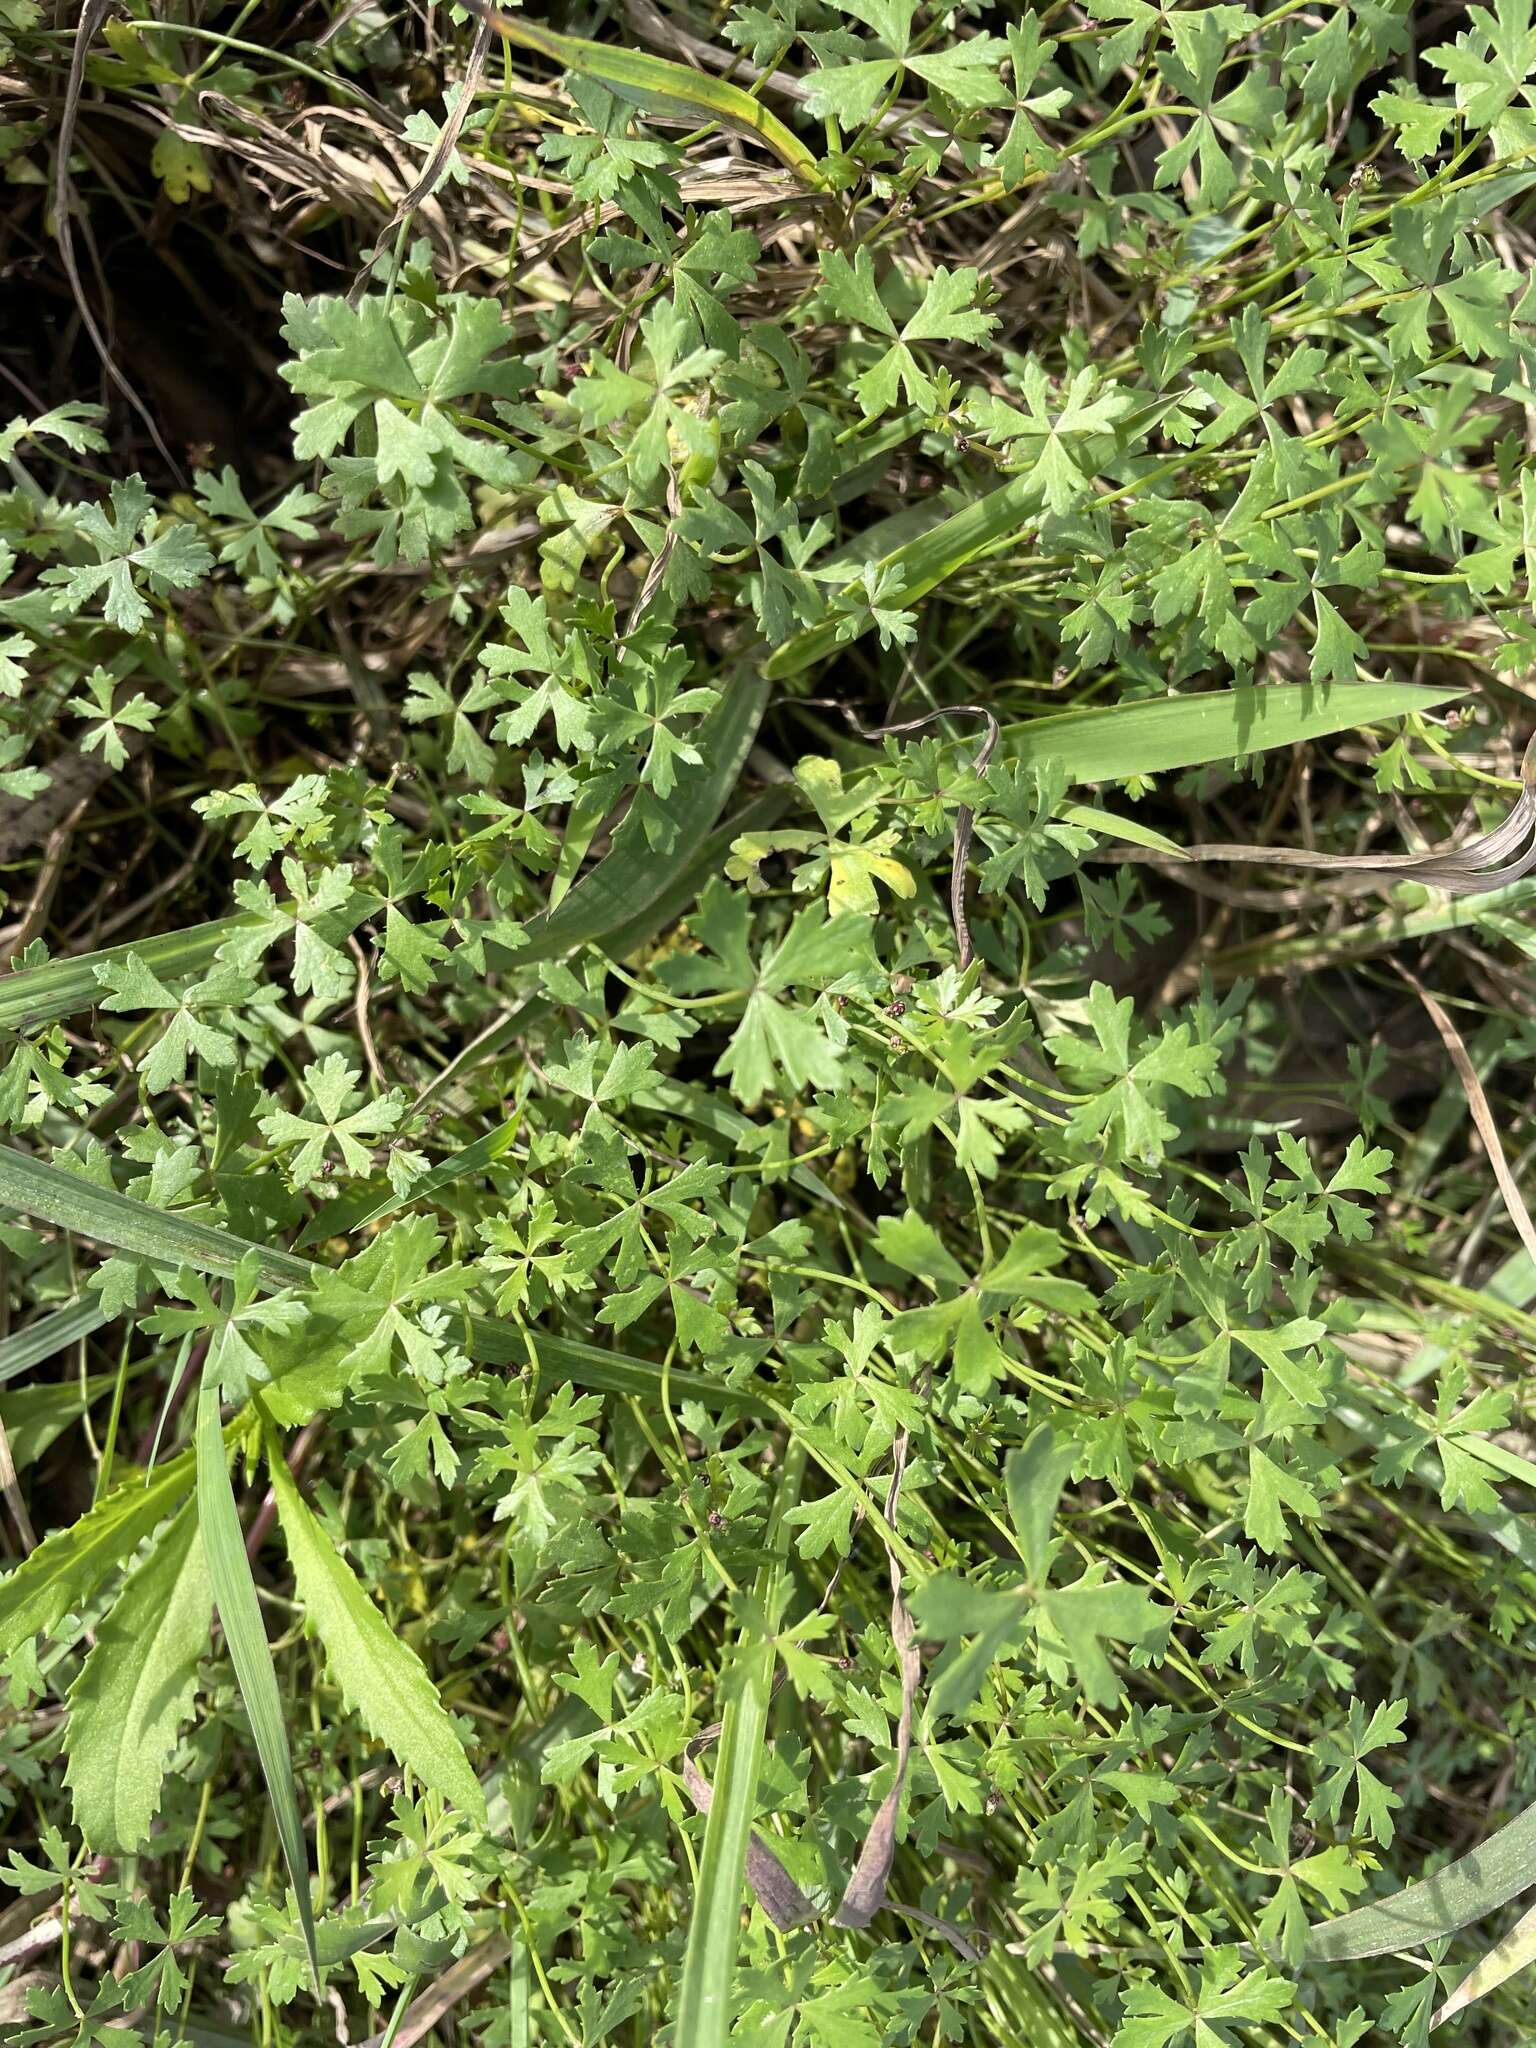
point(36, 1417)
point(917, 567)
point(32, 1187)
point(49, 1334)
point(234, 1593)
point(630, 880)
point(709, 1962)
point(31, 996)
point(1120, 741)
point(657, 86)
point(1474, 1885)
point(1504, 1960)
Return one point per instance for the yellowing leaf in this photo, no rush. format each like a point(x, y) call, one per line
point(856, 867)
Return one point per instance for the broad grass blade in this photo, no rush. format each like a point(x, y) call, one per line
point(30, 996)
point(1122, 741)
point(33, 1187)
point(1466, 1890)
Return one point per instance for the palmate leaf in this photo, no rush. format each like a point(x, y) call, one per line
point(982, 1623)
point(381, 1679)
point(135, 1690)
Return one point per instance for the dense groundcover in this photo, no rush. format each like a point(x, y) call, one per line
point(697, 1347)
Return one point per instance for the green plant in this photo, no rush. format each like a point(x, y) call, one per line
point(743, 1302)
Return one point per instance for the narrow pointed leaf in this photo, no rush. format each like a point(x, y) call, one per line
point(49, 1334)
point(657, 86)
point(234, 1593)
point(1506, 1959)
point(630, 878)
point(382, 1680)
point(709, 1961)
point(32, 996)
point(1121, 741)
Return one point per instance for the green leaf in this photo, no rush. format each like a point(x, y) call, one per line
point(234, 1594)
point(1506, 1959)
point(1469, 1889)
point(67, 1566)
point(657, 86)
point(1125, 741)
point(948, 1608)
point(32, 1187)
point(630, 881)
point(708, 1978)
point(33, 996)
point(382, 1681)
point(135, 1690)
point(1034, 1476)
point(1154, 2020)
point(132, 546)
point(51, 1333)
point(1286, 1352)
point(1271, 1490)
point(1086, 1615)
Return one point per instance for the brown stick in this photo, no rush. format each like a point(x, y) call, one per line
point(965, 817)
point(865, 1893)
point(1482, 1114)
point(466, 1975)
